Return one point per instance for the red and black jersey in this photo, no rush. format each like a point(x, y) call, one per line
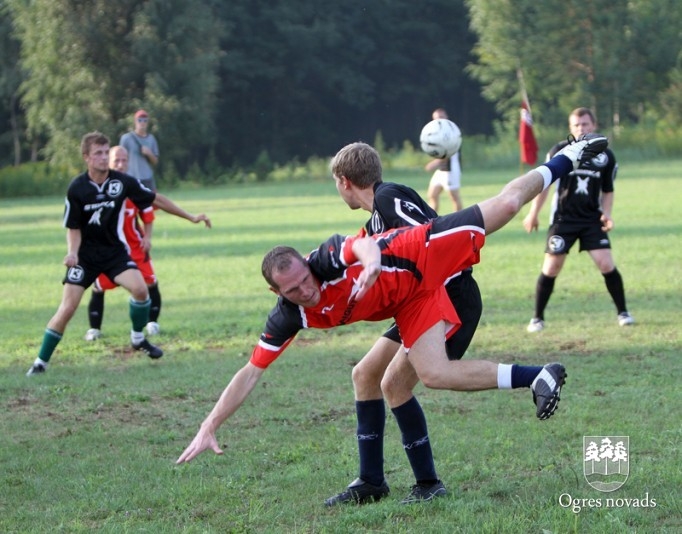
point(415, 263)
point(98, 210)
point(577, 197)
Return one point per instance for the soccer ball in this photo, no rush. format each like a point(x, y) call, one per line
point(440, 138)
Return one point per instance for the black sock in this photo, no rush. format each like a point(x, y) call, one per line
point(155, 297)
point(415, 436)
point(543, 290)
point(371, 416)
point(522, 376)
point(614, 284)
point(96, 309)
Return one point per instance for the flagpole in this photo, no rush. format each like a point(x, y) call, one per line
point(522, 84)
point(524, 97)
point(528, 144)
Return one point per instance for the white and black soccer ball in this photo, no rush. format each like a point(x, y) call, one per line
point(440, 138)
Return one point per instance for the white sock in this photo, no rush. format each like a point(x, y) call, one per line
point(136, 337)
point(40, 362)
point(504, 376)
point(546, 176)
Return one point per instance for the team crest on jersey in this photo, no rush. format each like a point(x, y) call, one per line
point(600, 160)
point(115, 188)
point(75, 274)
point(556, 243)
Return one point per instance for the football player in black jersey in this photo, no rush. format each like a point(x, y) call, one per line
point(93, 216)
point(357, 171)
point(581, 210)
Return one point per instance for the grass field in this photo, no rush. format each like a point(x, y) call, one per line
point(91, 445)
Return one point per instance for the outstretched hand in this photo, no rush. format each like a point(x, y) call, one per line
point(204, 440)
point(201, 217)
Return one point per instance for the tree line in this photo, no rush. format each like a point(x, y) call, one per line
point(226, 82)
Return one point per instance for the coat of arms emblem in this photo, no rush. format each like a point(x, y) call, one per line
point(606, 462)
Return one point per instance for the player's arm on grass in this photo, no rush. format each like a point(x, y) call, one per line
point(233, 396)
point(167, 205)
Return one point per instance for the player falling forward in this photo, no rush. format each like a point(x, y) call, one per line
point(398, 274)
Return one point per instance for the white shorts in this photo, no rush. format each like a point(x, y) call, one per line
point(451, 179)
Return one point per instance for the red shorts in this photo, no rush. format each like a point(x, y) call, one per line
point(144, 264)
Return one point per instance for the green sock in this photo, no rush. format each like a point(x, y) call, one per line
point(139, 313)
point(51, 339)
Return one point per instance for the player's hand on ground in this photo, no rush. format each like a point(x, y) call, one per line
point(202, 441)
point(367, 278)
point(71, 259)
point(202, 218)
point(530, 223)
point(606, 223)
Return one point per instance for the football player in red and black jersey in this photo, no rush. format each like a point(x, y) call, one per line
point(398, 274)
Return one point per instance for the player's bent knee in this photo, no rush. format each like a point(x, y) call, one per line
point(432, 380)
point(365, 376)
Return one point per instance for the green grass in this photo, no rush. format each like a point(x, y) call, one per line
point(91, 445)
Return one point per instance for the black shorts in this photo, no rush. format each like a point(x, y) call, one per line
point(93, 262)
point(466, 298)
point(561, 237)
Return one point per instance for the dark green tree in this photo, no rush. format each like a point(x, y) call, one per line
point(91, 63)
point(10, 80)
point(576, 52)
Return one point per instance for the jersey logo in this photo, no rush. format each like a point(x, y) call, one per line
point(115, 188)
point(96, 218)
point(556, 244)
point(410, 207)
point(581, 188)
point(129, 212)
point(327, 308)
point(75, 274)
point(600, 160)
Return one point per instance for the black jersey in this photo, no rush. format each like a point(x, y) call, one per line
point(577, 196)
point(98, 210)
point(395, 206)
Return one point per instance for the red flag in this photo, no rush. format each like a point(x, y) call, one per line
point(529, 146)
